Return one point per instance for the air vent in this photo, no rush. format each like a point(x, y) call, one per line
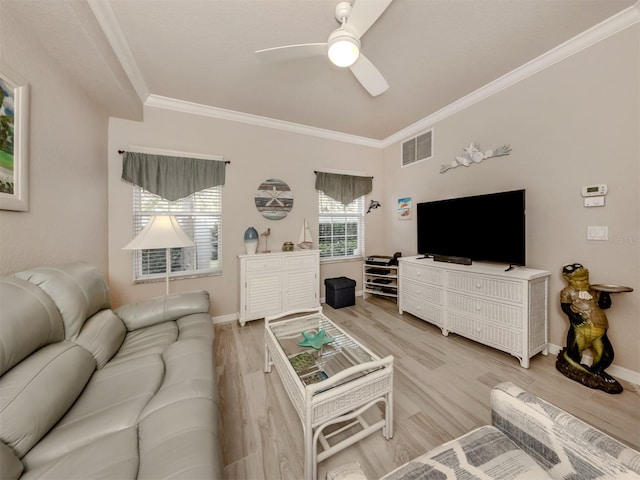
point(418, 148)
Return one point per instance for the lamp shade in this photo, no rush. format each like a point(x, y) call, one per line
point(162, 231)
point(343, 48)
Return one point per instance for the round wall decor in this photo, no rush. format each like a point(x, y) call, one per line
point(274, 199)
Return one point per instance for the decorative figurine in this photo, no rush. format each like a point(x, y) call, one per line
point(472, 155)
point(315, 340)
point(584, 305)
point(266, 234)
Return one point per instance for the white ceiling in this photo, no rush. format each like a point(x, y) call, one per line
point(431, 52)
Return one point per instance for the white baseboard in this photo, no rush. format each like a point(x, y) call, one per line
point(613, 370)
point(230, 317)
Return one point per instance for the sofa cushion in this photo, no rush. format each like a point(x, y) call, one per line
point(181, 441)
point(10, 465)
point(37, 392)
point(112, 457)
point(112, 401)
point(102, 334)
point(78, 290)
point(484, 453)
point(188, 374)
point(146, 341)
point(198, 325)
point(30, 320)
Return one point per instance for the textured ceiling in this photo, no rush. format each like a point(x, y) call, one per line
point(431, 52)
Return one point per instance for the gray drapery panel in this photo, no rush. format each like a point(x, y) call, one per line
point(343, 188)
point(172, 177)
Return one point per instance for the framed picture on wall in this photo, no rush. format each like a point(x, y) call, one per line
point(404, 208)
point(14, 141)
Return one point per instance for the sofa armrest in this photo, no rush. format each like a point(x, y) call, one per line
point(163, 309)
point(561, 443)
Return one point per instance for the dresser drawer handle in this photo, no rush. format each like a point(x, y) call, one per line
point(478, 285)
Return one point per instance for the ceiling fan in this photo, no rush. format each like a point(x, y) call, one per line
point(343, 44)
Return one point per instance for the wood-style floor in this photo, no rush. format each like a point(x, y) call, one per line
point(441, 391)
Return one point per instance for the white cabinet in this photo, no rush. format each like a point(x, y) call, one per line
point(507, 310)
point(272, 283)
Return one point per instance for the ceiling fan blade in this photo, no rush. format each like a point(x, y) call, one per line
point(292, 52)
point(369, 76)
point(364, 14)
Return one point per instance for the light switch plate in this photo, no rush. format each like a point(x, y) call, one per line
point(598, 233)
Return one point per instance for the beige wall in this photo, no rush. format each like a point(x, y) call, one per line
point(256, 154)
point(574, 124)
point(67, 217)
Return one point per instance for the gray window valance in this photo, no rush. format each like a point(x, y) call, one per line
point(172, 177)
point(343, 188)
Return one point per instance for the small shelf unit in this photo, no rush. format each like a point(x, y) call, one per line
point(380, 280)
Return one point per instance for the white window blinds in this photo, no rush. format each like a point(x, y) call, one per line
point(341, 228)
point(199, 215)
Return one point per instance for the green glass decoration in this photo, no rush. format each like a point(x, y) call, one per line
point(315, 340)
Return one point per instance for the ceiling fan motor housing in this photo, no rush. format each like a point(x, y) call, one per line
point(343, 9)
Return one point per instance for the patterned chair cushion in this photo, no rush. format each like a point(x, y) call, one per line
point(562, 444)
point(484, 453)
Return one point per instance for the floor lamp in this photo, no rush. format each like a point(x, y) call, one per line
point(162, 231)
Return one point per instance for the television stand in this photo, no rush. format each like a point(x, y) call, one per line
point(452, 259)
point(504, 310)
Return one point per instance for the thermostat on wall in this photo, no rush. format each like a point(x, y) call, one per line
point(594, 190)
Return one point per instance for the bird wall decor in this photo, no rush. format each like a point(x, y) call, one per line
point(472, 155)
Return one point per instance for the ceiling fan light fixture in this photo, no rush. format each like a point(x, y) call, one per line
point(343, 48)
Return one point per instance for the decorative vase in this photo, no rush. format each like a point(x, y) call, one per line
point(251, 240)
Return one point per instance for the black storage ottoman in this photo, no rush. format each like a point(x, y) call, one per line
point(340, 292)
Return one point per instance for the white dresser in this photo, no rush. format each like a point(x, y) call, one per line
point(272, 283)
point(507, 310)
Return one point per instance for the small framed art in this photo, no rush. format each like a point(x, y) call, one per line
point(404, 208)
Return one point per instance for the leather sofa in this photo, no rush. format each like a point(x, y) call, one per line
point(89, 392)
point(528, 439)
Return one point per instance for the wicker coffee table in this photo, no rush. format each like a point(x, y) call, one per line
point(334, 385)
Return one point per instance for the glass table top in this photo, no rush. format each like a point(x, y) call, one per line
point(314, 365)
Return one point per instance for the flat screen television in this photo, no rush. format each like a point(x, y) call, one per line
point(487, 227)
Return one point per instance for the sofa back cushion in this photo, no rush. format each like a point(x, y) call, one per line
point(37, 392)
point(29, 320)
point(77, 289)
point(102, 334)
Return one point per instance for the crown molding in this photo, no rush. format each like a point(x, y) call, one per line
point(231, 115)
point(111, 28)
point(595, 34)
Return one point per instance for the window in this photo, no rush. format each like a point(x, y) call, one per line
point(199, 215)
point(341, 228)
